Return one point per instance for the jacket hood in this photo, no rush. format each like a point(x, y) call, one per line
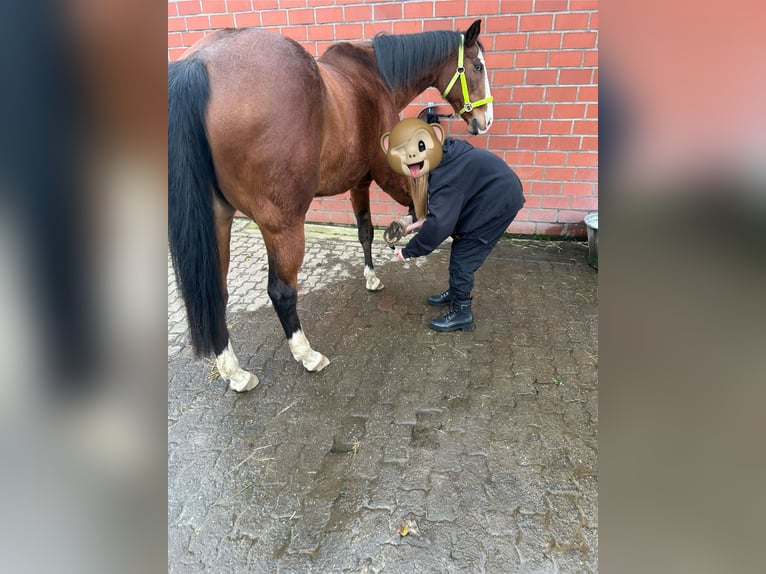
point(453, 148)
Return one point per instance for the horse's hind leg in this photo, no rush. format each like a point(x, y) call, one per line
point(227, 363)
point(285, 247)
point(360, 201)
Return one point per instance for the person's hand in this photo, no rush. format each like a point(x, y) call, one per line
point(413, 226)
point(399, 256)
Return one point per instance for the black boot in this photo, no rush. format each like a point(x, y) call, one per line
point(439, 300)
point(459, 317)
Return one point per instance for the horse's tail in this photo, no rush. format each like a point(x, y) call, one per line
point(191, 225)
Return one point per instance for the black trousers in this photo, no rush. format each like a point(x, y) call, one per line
point(467, 255)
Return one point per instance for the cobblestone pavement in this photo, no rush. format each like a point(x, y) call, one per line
point(483, 444)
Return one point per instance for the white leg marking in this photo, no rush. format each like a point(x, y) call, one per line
point(303, 353)
point(228, 366)
point(373, 283)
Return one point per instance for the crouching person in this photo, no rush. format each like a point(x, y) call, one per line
point(472, 195)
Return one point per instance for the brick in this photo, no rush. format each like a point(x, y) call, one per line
point(189, 7)
point(527, 94)
point(172, 9)
point(556, 202)
point(592, 111)
point(213, 6)
point(520, 157)
point(569, 111)
point(274, 18)
point(533, 142)
point(557, 127)
point(544, 41)
point(189, 38)
point(515, 6)
point(297, 33)
point(174, 40)
point(247, 19)
point(578, 76)
point(321, 32)
point(550, 5)
point(550, 158)
point(373, 28)
point(175, 53)
point(479, 7)
point(239, 5)
point(586, 174)
point(579, 40)
point(325, 15)
point(445, 8)
point(418, 9)
point(218, 21)
point(348, 31)
point(531, 59)
point(408, 27)
point(299, 16)
point(198, 22)
point(587, 94)
point(387, 11)
point(505, 142)
point(502, 24)
point(510, 42)
point(560, 94)
point(176, 24)
point(568, 216)
point(583, 5)
point(565, 143)
point(286, 4)
point(582, 159)
point(555, 173)
point(576, 21)
point(357, 13)
point(541, 76)
point(589, 143)
point(529, 111)
point(590, 59)
point(529, 23)
point(506, 77)
point(525, 127)
point(589, 127)
point(570, 58)
point(585, 203)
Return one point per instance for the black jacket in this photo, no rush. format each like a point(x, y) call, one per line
point(469, 192)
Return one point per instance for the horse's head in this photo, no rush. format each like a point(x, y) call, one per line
point(465, 83)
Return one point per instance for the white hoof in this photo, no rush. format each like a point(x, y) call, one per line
point(315, 362)
point(228, 367)
point(373, 283)
point(304, 354)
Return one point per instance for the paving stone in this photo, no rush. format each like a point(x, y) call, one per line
point(465, 436)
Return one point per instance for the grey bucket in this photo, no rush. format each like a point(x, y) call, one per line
point(591, 221)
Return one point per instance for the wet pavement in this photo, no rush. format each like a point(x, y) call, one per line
point(413, 451)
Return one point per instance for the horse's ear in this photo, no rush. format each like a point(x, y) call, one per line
point(439, 131)
point(472, 33)
point(384, 141)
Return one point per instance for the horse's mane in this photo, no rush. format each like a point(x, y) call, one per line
point(403, 58)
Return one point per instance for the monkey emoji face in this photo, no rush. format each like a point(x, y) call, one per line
point(413, 147)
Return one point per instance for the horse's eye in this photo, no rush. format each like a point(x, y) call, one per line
point(478, 67)
point(421, 145)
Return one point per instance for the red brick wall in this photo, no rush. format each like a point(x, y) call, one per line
point(543, 62)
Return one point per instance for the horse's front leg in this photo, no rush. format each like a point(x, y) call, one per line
point(360, 201)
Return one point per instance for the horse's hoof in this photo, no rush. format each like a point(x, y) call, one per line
point(374, 284)
point(316, 362)
point(243, 381)
point(372, 281)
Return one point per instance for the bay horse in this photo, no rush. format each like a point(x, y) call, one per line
point(256, 124)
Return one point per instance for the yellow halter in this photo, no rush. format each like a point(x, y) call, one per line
point(460, 73)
